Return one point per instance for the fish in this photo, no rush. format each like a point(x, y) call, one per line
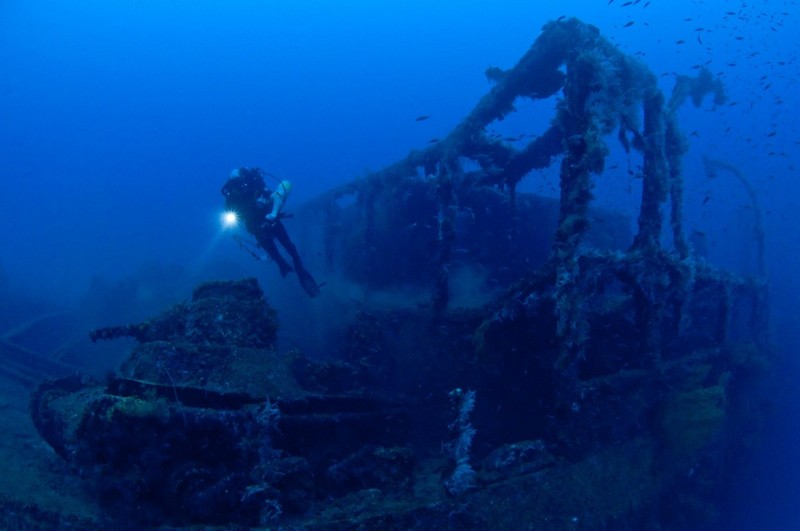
point(421, 118)
point(629, 24)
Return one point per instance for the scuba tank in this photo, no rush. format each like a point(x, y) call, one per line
point(279, 198)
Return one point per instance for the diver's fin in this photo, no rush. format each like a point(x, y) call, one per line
point(284, 267)
point(307, 281)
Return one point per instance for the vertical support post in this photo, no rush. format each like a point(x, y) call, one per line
point(330, 233)
point(655, 171)
point(446, 237)
point(675, 149)
point(585, 152)
point(370, 250)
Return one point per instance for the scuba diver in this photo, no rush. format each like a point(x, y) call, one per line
point(248, 198)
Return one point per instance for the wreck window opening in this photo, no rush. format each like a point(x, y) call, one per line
point(346, 201)
point(529, 119)
point(543, 182)
point(468, 164)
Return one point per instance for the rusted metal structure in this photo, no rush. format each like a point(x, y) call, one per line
point(604, 91)
point(612, 380)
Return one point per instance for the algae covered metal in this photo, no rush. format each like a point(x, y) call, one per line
point(608, 384)
point(192, 427)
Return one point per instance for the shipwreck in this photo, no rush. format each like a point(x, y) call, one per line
point(606, 384)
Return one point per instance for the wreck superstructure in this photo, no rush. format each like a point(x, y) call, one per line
point(604, 92)
point(608, 374)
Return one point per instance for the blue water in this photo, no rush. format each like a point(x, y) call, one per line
point(119, 122)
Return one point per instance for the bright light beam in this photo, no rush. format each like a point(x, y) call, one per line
point(229, 219)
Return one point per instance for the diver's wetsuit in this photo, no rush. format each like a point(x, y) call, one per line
point(250, 198)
